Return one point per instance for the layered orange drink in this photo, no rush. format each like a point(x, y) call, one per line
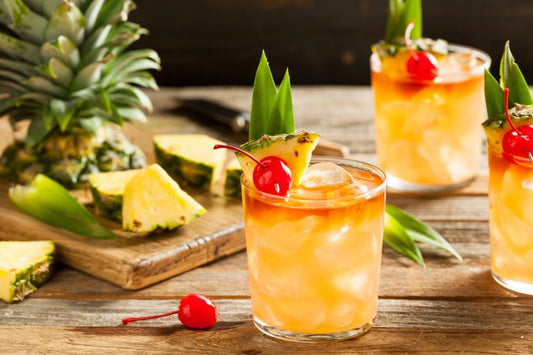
point(427, 130)
point(509, 131)
point(428, 98)
point(314, 254)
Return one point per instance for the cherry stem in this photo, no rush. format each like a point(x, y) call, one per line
point(218, 146)
point(506, 104)
point(134, 319)
point(408, 30)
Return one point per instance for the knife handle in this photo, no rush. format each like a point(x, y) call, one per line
point(332, 149)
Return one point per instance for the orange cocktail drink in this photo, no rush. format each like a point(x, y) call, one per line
point(428, 133)
point(314, 256)
point(511, 222)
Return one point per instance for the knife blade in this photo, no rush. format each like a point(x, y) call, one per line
point(239, 122)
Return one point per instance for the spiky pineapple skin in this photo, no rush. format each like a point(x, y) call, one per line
point(17, 284)
point(70, 158)
point(232, 185)
point(108, 201)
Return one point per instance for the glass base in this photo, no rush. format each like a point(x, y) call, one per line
point(288, 335)
point(517, 286)
point(401, 185)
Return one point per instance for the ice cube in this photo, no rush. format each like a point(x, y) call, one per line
point(286, 237)
point(326, 174)
point(359, 283)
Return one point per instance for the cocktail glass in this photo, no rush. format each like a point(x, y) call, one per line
point(428, 135)
point(314, 256)
point(511, 223)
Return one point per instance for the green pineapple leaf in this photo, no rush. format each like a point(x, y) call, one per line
point(281, 115)
point(263, 97)
point(493, 95)
point(401, 12)
point(512, 78)
point(419, 231)
point(51, 203)
point(29, 25)
point(396, 237)
point(38, 130)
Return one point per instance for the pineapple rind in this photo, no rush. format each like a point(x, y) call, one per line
point(18, 281)
point(173, 154)
point(154, 201)
point(108, 192)
point(69, 159)
point(295, 149)
point(232, 184)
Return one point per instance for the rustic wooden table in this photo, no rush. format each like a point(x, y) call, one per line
point(448, 307)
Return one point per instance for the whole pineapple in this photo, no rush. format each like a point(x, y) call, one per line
point(64, 68)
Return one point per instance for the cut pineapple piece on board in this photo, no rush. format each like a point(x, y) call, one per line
point(24, 267)
point(232, 181)
point(229, 184)
point(295, 149)
point(190, 158)
point(153, 200)
point(108, 190)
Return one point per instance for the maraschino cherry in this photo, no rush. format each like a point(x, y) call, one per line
point(420, 65)
point(271, 175)
point(195, 312)
point(517, 143)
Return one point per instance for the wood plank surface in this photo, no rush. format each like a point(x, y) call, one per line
point(449, 307)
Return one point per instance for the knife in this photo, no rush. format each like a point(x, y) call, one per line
point(239, 122)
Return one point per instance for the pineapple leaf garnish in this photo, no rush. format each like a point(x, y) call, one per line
point(401, 12)
point(511, 77)
point(271, 111)
point(51, 203)
point(493, 95)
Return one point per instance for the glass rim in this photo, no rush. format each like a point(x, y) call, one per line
point(360, 165)
point(453, 47)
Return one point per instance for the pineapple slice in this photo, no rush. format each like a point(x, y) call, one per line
point(495, 127)
point(153, 200)
point(24, 266)
point(295, 149)
point(232, 182)
point(108, 190)
point(190, 159)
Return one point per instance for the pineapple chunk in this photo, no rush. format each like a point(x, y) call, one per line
point(24, 266)
point(153, 200)
point(190, 159)
point(295, 149)
point(232, 182)
point(108, 190)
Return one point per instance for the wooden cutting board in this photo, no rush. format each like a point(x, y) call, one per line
point(135, 262)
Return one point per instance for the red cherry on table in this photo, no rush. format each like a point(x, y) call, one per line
point(420, 65)
point(271, 175)
point(194, 311)
point(197, 312)
point(517, 143)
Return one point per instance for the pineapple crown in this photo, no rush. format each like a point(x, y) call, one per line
point(63, 65)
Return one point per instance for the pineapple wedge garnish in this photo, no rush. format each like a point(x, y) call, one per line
point(190, 159)
point(153, 200)
point(108, 190)
point(24, 266)
point(295, 149)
